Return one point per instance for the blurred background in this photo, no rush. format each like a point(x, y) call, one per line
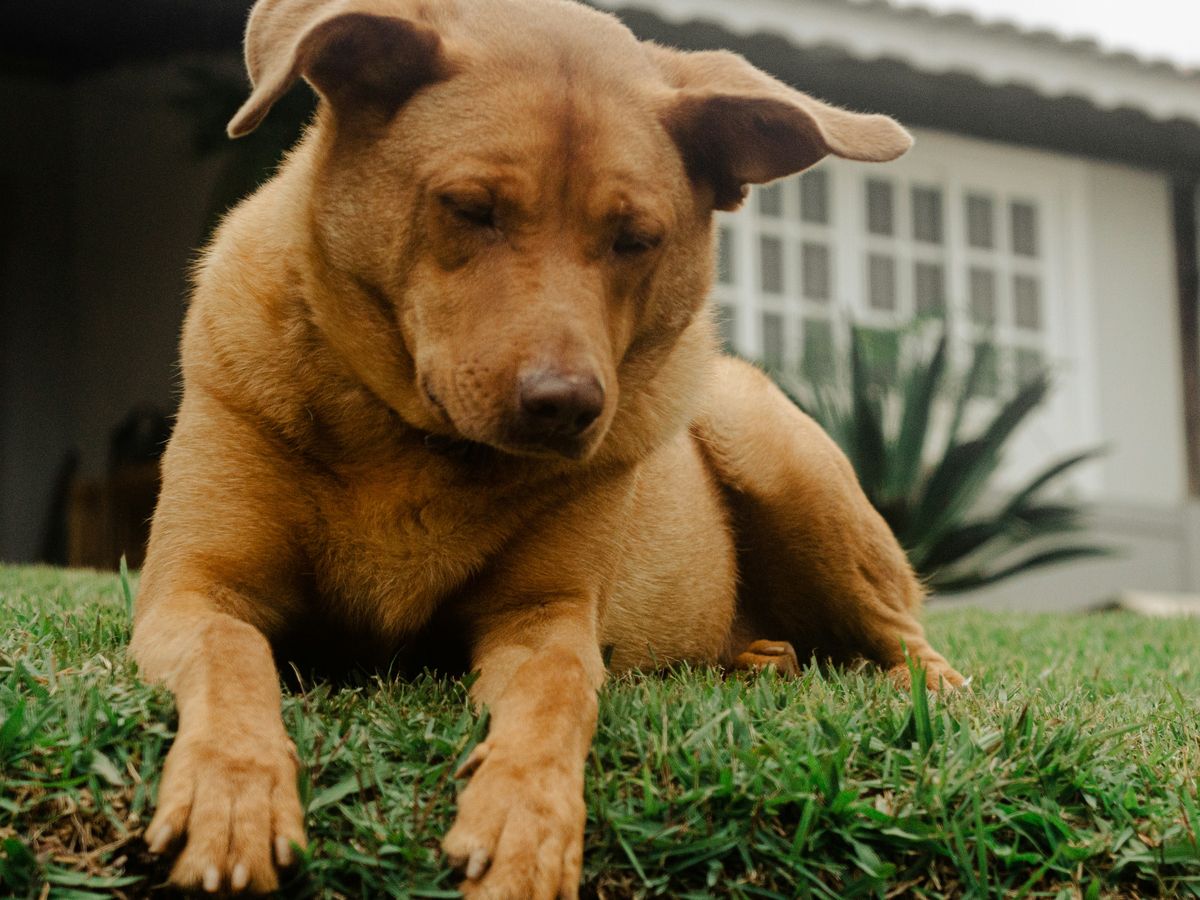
point(1001, 328)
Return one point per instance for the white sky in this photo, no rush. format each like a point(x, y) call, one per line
point(1153, 29)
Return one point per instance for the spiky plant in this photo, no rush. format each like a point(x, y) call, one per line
point(945, 507)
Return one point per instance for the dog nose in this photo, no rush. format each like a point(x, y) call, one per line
point(558, 405)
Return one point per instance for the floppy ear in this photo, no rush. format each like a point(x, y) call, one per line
point(735, 125)
point(365, 51)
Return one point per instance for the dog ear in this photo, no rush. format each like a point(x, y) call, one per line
point(735, 125)
point(360, 49)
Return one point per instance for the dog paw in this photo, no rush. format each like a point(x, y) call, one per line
point(939, 676)
point(519, 830)
point(778, 655)
point(234, 808)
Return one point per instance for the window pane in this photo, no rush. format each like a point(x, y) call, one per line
point(772, 340)
point(818, 355)
point(988, 383)
point(983, 296)
point(1027, 302)
point(727, 327)
point(927, 214)
point(815, 271)
point(725, 255)
point(881, 278)
point(770, 200)
point(1029, 365)
point(980, 222)
point(814, 196)
point(770, 260)
point(930, 284)
point(1024, 229)
point(879, 206)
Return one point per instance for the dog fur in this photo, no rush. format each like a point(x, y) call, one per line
point(499, 202)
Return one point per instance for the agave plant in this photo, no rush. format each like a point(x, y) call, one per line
point(959, 534)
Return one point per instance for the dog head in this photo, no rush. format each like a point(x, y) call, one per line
point(511, 203)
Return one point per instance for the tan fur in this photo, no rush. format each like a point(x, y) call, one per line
point(491, 189)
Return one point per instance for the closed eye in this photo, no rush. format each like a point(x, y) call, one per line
point(476, 211)
point(635, 243)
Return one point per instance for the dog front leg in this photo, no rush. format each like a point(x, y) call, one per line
point(519, 831)
point(228, 788)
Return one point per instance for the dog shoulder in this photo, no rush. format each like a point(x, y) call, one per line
point(248, 331)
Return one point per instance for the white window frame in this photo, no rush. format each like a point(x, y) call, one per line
point(958, 166)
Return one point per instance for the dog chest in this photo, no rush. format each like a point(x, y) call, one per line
point(389, 550)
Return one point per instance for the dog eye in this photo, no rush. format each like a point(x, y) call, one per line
point(632, 243)
point(476, 212)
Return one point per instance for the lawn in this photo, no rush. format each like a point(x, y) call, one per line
point(1068, 769)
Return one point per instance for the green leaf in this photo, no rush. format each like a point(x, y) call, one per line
point(1052, 472)
point(870, 453)
point(920, 392)
point(995, 537)
point(103, 766)
point(14, 723)
point(959, 543)
point(943, 583)
point(1045, 519)
point(920, 703)
point(334, 793)
point(18, 865)
point(968, 392)
point(84, 879)
point(126, 591)
point(959, 479)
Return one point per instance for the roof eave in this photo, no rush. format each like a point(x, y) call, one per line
point(1018, 89)
point(998, 55)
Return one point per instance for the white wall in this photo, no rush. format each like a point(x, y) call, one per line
point(1142, 506)
point(1132, 252)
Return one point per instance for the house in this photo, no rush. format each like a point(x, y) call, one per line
point(1049, 207)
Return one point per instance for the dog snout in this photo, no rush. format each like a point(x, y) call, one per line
point(558, 405)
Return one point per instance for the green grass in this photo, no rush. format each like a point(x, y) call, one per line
point(1069, 768)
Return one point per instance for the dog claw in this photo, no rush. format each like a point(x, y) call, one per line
point(477, 864)
point(212, 879)
point(240, 877)
point(283, 851)
point(160, 839)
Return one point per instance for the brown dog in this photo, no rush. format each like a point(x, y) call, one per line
point(452, 368)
